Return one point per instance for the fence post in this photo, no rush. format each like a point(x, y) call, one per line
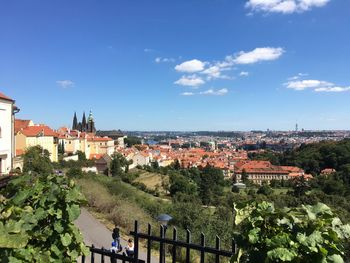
point(136, 241)
point(82, 259)
point(92, 254)
point(161, 247)
point(174, 246)
point(188, 241)
point(113, 260)
point(149, 243)
point(102, 256)
point(202, 245)
point(217, 257)
point(234, 246)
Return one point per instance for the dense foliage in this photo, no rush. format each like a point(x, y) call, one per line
point(118, 165)
point(302, 234)
point(37, 160)
point(36, 220)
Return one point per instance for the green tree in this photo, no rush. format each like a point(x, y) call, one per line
point(131, 141)
point(177, 165)
point(179, 183)
point(265, 189)
point(37, 160)
point(118, 164)
point(81, 156)
point(300, 186)
point(211, 185)
point(244, 176)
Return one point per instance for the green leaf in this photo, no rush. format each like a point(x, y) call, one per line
point(335, 259)
point(253, 235)
point(66, 239)
point(282, 254)
point(73, 212)
point(58, 227)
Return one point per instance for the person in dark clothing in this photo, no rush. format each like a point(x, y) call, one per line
point(116, 238)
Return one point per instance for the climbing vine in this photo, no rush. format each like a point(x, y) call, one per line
point(36, 220)
point(302, 234)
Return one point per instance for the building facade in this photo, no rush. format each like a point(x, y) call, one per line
point(40, 135)
point(263, 171)
point(7, 110)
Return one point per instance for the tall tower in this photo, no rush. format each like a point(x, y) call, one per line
point(91, 123)
point(296, 127)
point(75, 122)
point(83, 123)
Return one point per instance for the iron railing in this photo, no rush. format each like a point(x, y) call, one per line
point(162, 240)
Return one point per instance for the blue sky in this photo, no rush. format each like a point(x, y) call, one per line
point(179, 65)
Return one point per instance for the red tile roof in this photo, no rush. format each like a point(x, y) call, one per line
point(21, 124)
point(100, 139)
point(4, 97)
point(19, 152)
point(95, 156)
point(39, 130)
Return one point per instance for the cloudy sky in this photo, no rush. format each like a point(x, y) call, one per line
point(179, 65)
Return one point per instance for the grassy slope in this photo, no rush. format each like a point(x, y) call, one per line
point(119, 203)
point(151, 180)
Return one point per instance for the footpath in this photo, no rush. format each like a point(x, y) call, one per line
point(96, 233)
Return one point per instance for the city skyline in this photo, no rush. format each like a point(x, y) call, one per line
point(185, 66)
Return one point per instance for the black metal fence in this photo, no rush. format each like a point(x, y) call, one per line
point(162, 240)
point(108, 256)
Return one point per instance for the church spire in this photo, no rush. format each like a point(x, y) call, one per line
point(75, 122)
point(83, 123)
point(91, 123)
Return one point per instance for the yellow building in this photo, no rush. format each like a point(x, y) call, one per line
point(40, 135)
point(93, 146)
point(100, 145)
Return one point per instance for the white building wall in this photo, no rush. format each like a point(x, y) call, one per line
point(6, 136)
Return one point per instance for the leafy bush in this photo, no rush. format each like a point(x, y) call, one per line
point(36, 220)
point(303, 234)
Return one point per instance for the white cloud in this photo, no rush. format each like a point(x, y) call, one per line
point(191, 80)
point(244, 74)
point(315, 85)
point(190, 66)
point(65, 83)
point(187, 94)
point(164, 60)
point(332, 89)
point(219, 92)
point(214, 72)
point(258, 54)
point(284, 6)
point(298, 76)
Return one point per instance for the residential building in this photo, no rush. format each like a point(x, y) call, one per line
point(263, 171)
point(7, 111)
point(40, 135)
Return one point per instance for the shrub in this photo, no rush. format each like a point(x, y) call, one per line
point(36, 220)
point(303, 234)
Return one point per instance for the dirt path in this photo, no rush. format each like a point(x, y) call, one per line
point(96, 233)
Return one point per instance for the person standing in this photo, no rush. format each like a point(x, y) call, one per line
point(116, 238)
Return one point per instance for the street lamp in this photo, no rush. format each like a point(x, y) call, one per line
point(164, 219)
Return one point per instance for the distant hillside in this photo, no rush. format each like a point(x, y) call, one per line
point(313, 158)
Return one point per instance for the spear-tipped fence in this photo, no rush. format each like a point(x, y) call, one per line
point(162, 240)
